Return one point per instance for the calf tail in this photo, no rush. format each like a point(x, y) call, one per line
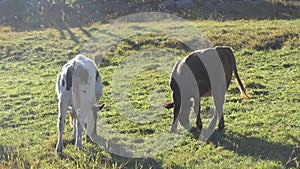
point(241, 86)
point(57, 85)
point(173, 85)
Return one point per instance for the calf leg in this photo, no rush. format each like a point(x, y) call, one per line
point(199, 122)
point(175, 120)
point(88, 138)
point(197, 109)
point(219, 102)
point(91, 128)
point(177, 102)
point(73, 123)
point(62, 108)
point(219, 98)
point(78, 140)
point(221, 125)
point(94, 135)
point(184, 114)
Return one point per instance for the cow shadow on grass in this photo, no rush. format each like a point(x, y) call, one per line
point(104, 157)
point(258, 148)
point(3, 153)
point(126, 162)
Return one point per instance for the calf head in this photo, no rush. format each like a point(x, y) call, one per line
point(95, 110)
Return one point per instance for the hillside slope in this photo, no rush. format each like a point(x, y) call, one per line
point(261, 132)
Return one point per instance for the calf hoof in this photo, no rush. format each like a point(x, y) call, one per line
point(194, 130)
point(80, 148)
point(199, 129)
point(61, 155)
point(88, 139)
point(73, 141)
point(58, 151)
point(221, 129)
point(199, 126)
point(188, 127)
point(173, 130)
point(59, 148)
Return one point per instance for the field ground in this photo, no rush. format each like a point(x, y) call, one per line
point(261, 132)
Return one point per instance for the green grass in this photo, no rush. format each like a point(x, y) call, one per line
point(261, 132)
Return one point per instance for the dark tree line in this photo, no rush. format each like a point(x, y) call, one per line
point(33, 14)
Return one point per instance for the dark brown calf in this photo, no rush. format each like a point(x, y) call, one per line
point(200, 74)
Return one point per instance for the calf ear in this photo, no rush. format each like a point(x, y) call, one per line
point(168, 105)
point(100, 106)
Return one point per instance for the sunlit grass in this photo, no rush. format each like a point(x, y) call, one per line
point(261, 132)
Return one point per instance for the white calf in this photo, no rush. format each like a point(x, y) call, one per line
point(78, 86)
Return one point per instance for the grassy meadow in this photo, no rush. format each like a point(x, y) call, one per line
point(261, 132)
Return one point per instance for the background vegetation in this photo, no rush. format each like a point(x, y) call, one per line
point(33, 14)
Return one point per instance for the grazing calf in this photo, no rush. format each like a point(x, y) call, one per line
point(78, 86)
point(202, 73)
